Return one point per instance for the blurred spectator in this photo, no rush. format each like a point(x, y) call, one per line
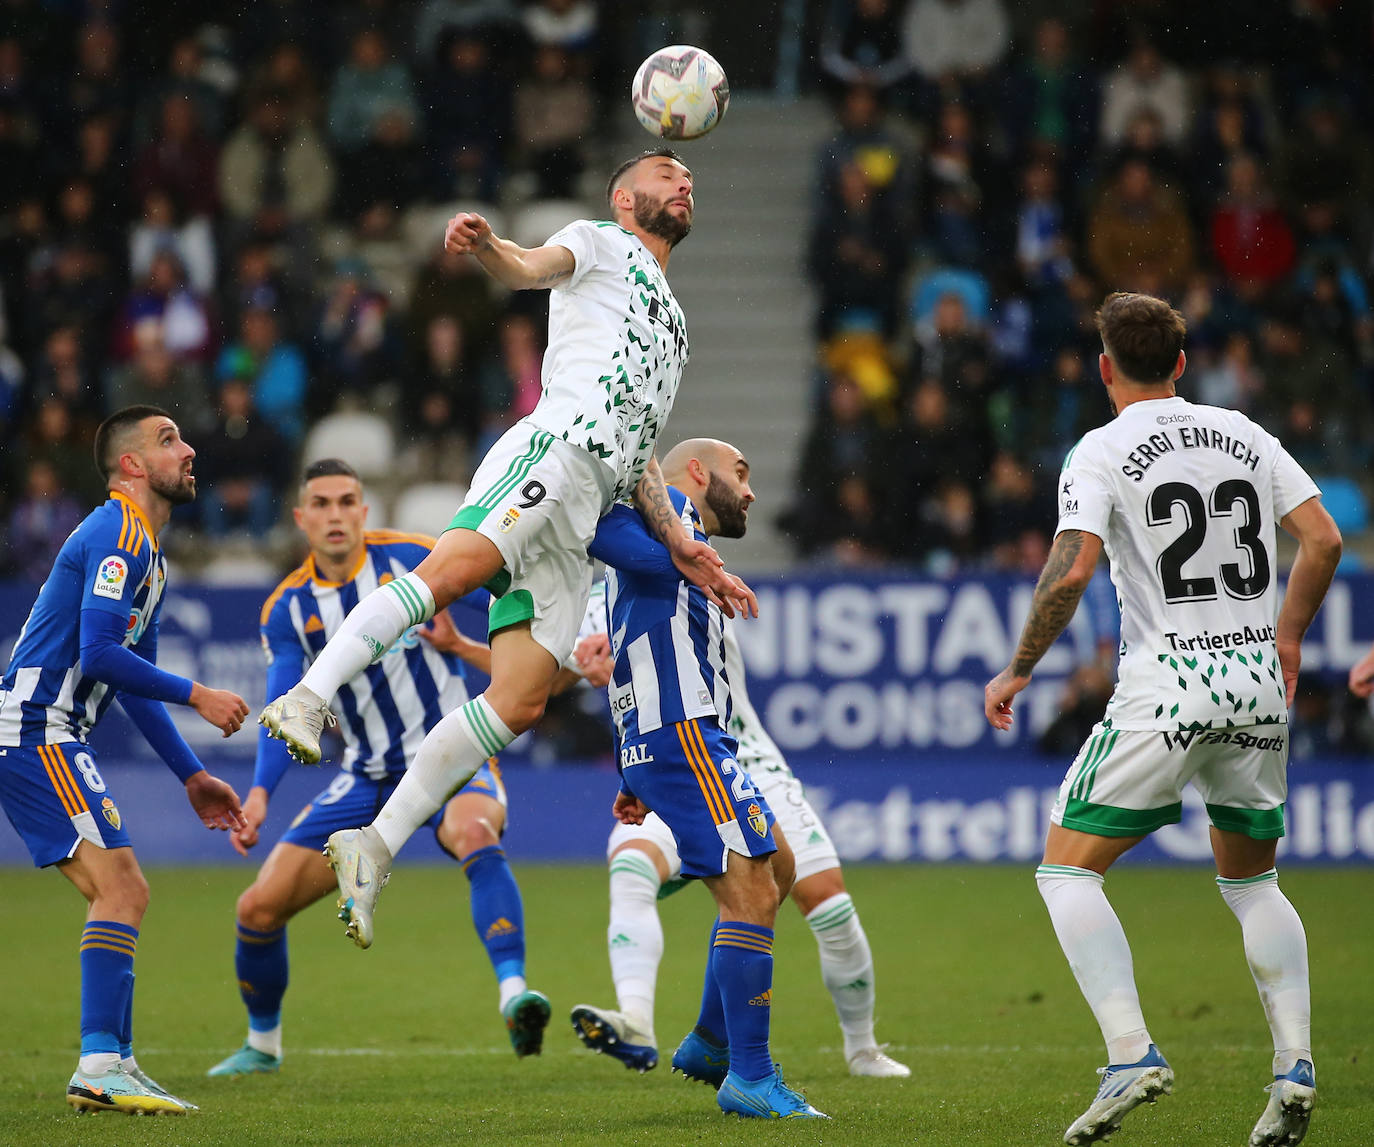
point(287, 73)
point(1139, 235)
point(189, 76)
point(356, 346)
point(180, 160)
point(12, 374)
point(387, 172)
point(63, 439)
point(468, 150)
point(441, 408)
point(258, 278)
point(1067, 402)
point(1231, 122)
point(1051, 99)
point(1014, 507)
point(100, 168)
point(926, 448)
point(1251, 240)
point(553, 119)
point(1231, 380)
point(455, 286)
point(96, 84)
point(371, 85)
point(42, 517)
point(1085, 696)
point(885, 156)
point(512, 377)
point(953, 187)
point(948, 539)
point(19, 154)
point(438, 19)
point(242, 466)
point(1042, 240)
point(567, 24)
point(163, 295)
point(1145, 79)
point(947, 343)
point(274, 369)
point(837, 510)
point(63, 372)
point(275, 177)
point(861, 43)
point(1144, 140)
point(154, 375)
point(163, 228)
point(953, 44)
point(1329, 164)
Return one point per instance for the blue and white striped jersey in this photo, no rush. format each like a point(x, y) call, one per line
point(111, 562)
point(384, 712)
point(667, 639)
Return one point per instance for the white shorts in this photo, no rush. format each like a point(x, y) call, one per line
point(1130, 782)
point(538, 500)
point(800, 825)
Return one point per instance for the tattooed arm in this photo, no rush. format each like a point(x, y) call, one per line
point(1072, 560)
point(698, 562)
point(516, 267)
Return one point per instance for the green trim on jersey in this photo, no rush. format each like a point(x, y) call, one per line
point(1069, 456)
point(511, 610)
point(1097, 750)
point(1108, 820)
point(468, 518)
point(1256, 823)
point(677, 884)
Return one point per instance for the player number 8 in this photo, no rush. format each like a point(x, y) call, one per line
point(85, 765)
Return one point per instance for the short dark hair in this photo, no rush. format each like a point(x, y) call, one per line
point(662, 152)
point(1142, 335)
point(329, 468)
point(112, 436)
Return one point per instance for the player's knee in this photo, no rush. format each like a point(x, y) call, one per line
point(466, 836)
point(257, 911)
point(523, 713)
point(128, 899)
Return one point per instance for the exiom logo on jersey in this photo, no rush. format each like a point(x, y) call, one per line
point(501, 927)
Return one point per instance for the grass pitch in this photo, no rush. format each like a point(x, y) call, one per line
point(403, 1045)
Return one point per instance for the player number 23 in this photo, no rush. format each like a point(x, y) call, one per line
point(740, 786)
point(1226, 499)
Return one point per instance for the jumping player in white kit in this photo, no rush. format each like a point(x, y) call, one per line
point(1185, 500)
point(617, 349)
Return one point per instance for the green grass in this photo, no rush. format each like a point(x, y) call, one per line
point(402, 1044)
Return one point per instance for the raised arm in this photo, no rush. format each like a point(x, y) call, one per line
point(519, 268)
point(1319, 549)
point(1067, 572)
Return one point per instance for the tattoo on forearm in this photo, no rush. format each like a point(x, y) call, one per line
point(551, 278)
point(651, 500)
point(1053, 604)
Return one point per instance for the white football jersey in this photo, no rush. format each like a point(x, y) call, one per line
point(617, 349)
point(1186, 500)
point(758, 752)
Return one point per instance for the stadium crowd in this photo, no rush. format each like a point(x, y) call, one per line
point(996, 169)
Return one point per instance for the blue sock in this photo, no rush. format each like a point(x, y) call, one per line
point(498, 913)
point(711, 1021)
point(260, 961)
point(126, 1029)
point(743, 962)
point(107, 982)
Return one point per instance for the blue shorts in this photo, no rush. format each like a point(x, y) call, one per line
point(687, 774)
point(56, 798)
point(353, 800)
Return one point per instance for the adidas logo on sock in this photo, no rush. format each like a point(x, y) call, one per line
point(855, 985)
point(762, 1000)
point(502, 927)
point(815, 838)
point(623, 941)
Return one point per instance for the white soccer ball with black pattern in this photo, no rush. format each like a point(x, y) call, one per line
point(680, 92)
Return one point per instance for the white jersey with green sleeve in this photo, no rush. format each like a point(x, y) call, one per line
point(758, 753)
point(617, 349)
point(1186, 500)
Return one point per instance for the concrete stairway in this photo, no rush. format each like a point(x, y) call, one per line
point(741, 282)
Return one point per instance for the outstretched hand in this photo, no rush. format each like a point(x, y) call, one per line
point(703, 567)
point(997, 697)
point(467, 233)
point(254, 813)
point(215, 802)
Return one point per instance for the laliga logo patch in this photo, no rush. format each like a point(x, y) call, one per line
point(508, 522)
point(110, 578)
point(107, 806)
point(757, 821)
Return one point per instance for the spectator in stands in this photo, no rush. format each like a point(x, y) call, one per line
point(190, 76)
point(183, 317)
point(1230, 123)
point(64, 372)
point(163, 228)
point(455, 286)
point(438, 19)
point(62, 437)
point(289, 74)
point(12, 376)
point(275, 178)
point(1145, 79)
point(1144, 140)
point(861, 43)
point(1329, 164)
point(1251, 240)
point(947, 536)
point(926, 448)
point(1066, 404)
point(1050, 101)
point(468, 150)
point(156, 376)
point(372, 84)
point(553, 119)
point(567, 24)
point(1085, 695)
point(274, 369)
point(100, 168)
point(68, 285)
point(42, 517)
point(1014, 505)
point(356, 346)
point(389, 172)
point(1231, 379)
point(441, 408)
point(1139, 238)
point(886, 156)
point(955, 44)
point(180, 160)
point(1043, 246)
point(953, 186)
point(511, 380)
point(97, 84)
point(257, 275)
point(242, 465)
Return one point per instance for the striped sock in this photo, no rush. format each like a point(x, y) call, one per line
point(108, 949)
point(846, 968)
point(448, 757)
point(262, 965)
point(742, 957)
point(370, 629)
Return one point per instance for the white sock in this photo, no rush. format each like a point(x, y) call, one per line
point(509, 988)
point(634, 936)
point(1095, 944)
point(370, 629)
point(846, 968)
point(447, 758)
point(267, 1042)
point(1276, 949)
point(99, 1063)
point(129, 1063)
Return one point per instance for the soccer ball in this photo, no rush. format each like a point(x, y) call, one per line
point(680, 92)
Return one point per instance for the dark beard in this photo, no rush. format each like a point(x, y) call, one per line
point(731, 511)
point(179, 491)
point(657, 220)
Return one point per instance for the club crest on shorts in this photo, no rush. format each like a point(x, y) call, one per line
point(107, 807)
point(757, 821)
point(508, 520)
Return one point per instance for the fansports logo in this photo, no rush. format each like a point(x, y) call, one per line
point(110, 578)
point(1184, 739)
point(757, 821)
point(508, 521)
point(107, 807)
